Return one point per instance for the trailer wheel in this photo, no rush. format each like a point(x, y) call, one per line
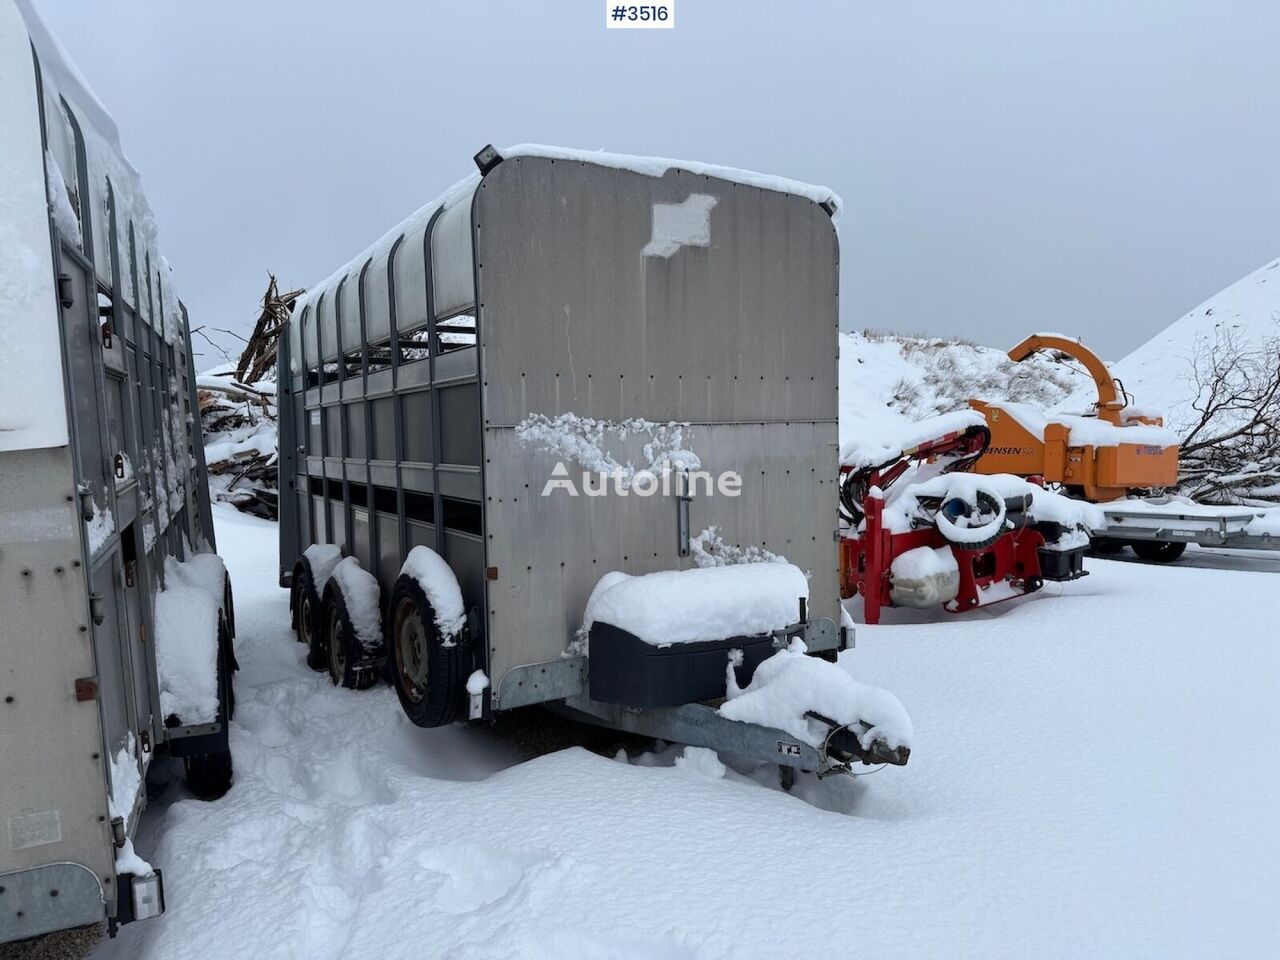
point(229, 606)
point(427, 674)
point(343, 648)
point(1158, 551)
point(229, 665)
point(208, 774)
point(307, 610)
point(1106, 546)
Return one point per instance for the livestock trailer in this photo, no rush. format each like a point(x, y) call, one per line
point(562, 311)
point(106, 573)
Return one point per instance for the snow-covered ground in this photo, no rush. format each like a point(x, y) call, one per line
point(1094, 776)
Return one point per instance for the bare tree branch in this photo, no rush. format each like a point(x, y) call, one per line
point(1231, 448)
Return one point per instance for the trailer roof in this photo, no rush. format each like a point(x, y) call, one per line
point(649, 166)
point(106, 158)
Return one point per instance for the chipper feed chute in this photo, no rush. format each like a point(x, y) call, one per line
point(1115, 451)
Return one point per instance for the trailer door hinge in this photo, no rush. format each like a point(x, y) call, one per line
point(95, 609)
point(86, 689)
point(66, 292)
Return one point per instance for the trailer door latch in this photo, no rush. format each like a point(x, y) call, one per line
point(87, 506)
point(682, 514)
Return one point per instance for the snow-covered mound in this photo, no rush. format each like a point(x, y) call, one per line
point(890, 380)
point(1159, 373)
point(790, 685)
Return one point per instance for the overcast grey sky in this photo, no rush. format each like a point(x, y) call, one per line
point(1092, 168)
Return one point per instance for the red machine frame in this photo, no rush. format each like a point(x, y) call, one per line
point(867, 558)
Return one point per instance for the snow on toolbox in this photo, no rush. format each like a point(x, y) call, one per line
point(554, 305)
point(115, 641)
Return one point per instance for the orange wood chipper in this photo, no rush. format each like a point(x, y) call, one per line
point(1114, 452)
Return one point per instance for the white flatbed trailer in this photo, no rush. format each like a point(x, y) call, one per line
point(1176, 521)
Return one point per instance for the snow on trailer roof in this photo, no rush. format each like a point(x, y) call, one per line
point(106, 159)
point(649, 166)
point(658, 166)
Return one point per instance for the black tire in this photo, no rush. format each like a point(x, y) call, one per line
point(308, 612)
point(229, 605)
point(428, 676)
point(1106, 546)
point(208, 775)
point(1158, 551)
point(984, 502)
point(343, 650)
point(228, 666)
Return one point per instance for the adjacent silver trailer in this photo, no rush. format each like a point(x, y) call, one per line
point(101, 480)
point(587, 290)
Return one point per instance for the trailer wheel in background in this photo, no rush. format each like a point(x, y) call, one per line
point(1106, 546)
point(343, 649)
point(427, 675)
point(307, 615)
point(1158, 551)
point(208, 774)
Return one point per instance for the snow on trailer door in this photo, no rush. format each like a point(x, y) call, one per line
point(614, 294)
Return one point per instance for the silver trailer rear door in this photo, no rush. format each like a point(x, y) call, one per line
point(601, 294)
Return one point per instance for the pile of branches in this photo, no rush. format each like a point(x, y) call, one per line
point(240, 436)
point(239, 418)
point(1231, 450)
point(258, 359)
